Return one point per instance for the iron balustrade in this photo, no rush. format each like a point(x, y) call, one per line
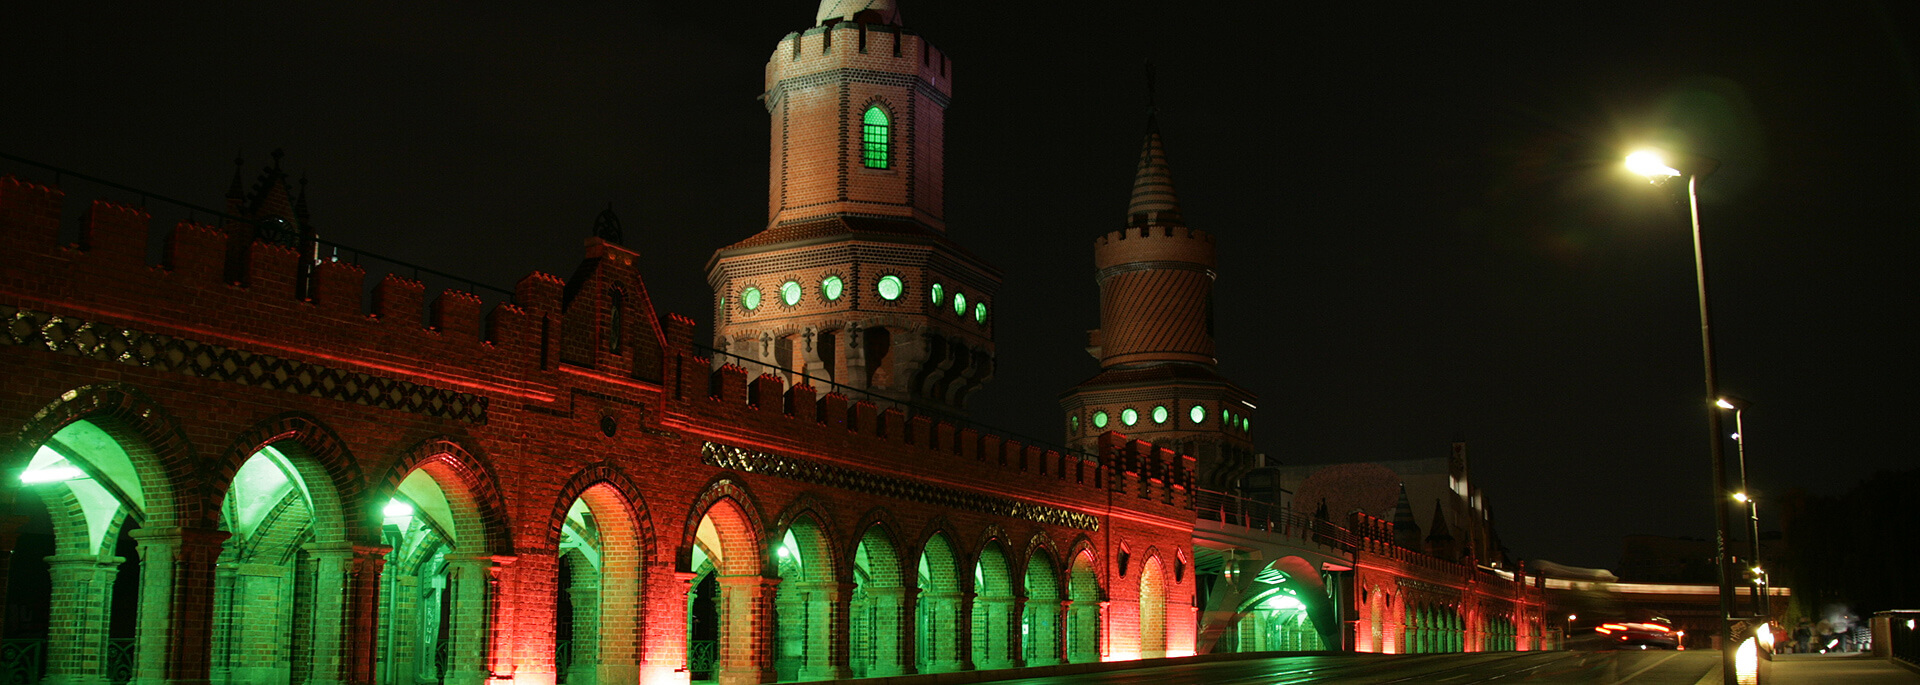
point(1271, 518)
point(24, 661)
point(1902, 638)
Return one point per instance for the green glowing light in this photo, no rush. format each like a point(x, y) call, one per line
point(873, 139)
point(750, 298)
point(790, 293)
point(960, 304)
point(1160, 413)
point(1129, 417)
point(831, 287)
point(980, 313)
point(1198, 414)
point(396, 509)
point(890, 287)
point(1073, 423)
point(1099, 419)
point(938, 292)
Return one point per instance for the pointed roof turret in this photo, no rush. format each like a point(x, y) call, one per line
point(237, 190)
point(1440, 526)
point(1154, 201)
point(868, 11)
point(1406, 531)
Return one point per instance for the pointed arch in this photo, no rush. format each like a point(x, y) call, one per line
point(162, 456)
point(994, 622)
point(616, 481)
point(1085, 593)
point(331, 475)
point(738, 516)
point(879, 575)
point(876, 134)
point(484, 528)
point(1040, 618)
point(607, 591)
point(804, 602)
point(809, 506)
point(940, 614)
point(1153, 607)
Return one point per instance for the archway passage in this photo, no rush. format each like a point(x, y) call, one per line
point(599, 615)
point(730, 601)
point(1040, 620)
point(1277, 612)
point(939, 612)
point(804, 603)
point(879, 602)
point(75, 577)
point(1153, 609)
point(433, 598)
point(1083, 615)
point(995, 620)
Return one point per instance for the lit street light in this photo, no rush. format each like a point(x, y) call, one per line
point(1659, 168)
point(1739, 407)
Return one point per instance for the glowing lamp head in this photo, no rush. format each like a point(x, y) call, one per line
point(1740, 496)
point(1651, 164)
point(1723, 403)
point(396, 509)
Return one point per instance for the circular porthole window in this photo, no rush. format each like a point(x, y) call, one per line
point(1100, 419)
point(790, 293)
point(890, 287)
point(938, 292)
point(980, 313)
point(960, 304)
point(1198, 414)
point(1129, 417)
point(831, 287)
point(1160, 414)
point(750, 298)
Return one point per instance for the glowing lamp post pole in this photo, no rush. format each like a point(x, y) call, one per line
point(1745, 496)
point(1657, 169)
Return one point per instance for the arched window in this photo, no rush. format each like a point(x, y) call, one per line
point(873, 138)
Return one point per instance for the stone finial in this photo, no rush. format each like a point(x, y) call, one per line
point(607, 226)
point(1154, 201)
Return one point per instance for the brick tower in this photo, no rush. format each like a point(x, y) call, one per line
point(1158, 379)
point(853, 282)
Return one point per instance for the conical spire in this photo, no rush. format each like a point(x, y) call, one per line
point(1406, 531)
point(237, 191)
point(1154, 201)
point(869, 11)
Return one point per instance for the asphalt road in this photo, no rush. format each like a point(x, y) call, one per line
point(1635, 667)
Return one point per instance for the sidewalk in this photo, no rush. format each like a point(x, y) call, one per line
point(1822, 669)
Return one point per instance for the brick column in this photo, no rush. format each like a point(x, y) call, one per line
point(585, 598)
point(473, 588)
point(663, 651)
point(746, 630)
point(945, 622)
point(346, 595)
point(173, 637)
point(881, 611)
point(9, 536)
point(998, 641)
point(835, 664)
point(77, 626)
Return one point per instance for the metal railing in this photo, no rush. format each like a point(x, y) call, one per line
point(910, 408)
point(1271, 518)
point(703, 658)
point(24, 661)
point(316, 249)
point(1903, 640)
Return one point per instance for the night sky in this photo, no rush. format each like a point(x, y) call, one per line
point(1424, 229)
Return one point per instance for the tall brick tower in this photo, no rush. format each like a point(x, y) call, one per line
point(1158, 379)
point(853, 281)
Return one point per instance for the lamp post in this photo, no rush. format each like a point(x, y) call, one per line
point(1745, 495)
point(1659, 168)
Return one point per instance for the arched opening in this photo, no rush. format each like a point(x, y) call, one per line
point(728, 593)
point(939, 612)
point(85, 494)
point(433, 595)
point(995, 638)
point(804, 604)
point(1083, 615)
point(875, 151)
point(1040, 621)
point(280, 589)
point(597, 631)
point(879, 599)
point(1375, 614)
point(1153, 609)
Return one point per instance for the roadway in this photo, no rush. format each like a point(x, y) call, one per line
point(1658, 667)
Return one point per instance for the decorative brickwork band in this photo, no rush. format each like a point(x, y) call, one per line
point(82, 338)
point(808, 471)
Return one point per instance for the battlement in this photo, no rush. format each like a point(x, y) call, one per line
point(1154, 243)
point(857, 45)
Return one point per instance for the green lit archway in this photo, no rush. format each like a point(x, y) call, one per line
point(1040, 620)
point(804, 603)
point(995, 625)
point(879, 596)
point(939, 614)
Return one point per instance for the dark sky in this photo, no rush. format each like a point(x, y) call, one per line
point(1424, 231)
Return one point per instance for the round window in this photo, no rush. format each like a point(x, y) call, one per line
point(938, 292)
point(1100, 419)
point(890, 287)
point(750, 298)
point(831, 286)
point(1160, 414)
point(960, 304)
point(1073, 424)
point(1245, 424)
point(1129, 417)
point(980, 313)
point(790, 293)
point(1198, 414)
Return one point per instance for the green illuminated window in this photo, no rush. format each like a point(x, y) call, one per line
point(750, 298)
point(1100, 419)
point(960, 303)
point(1073, 424)
point(980, 313)
point(1245, 425)
point(938, 292)
point(1198, 414)
point(790, 293)
point(1160, 414)
point(831, 286)
point(890, 287)
point(1129, 417)
point(873, 138)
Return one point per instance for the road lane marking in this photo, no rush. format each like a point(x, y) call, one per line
point(1646, 668)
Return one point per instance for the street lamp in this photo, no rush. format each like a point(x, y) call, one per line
point(1745, 496)
point(1659, 168)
